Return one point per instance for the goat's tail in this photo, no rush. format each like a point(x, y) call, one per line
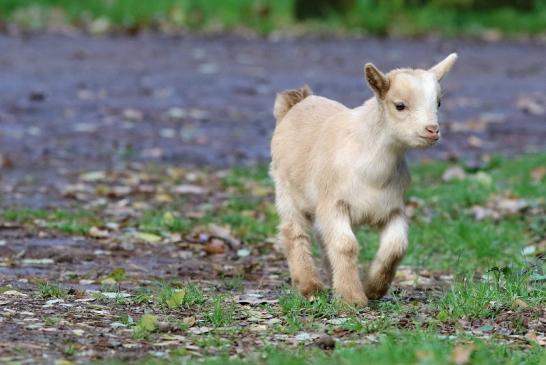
point(287, 99)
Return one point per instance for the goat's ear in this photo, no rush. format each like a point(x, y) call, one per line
point(442, 68)
point(377, 81)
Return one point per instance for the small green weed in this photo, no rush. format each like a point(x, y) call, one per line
point(176, 298)
point(222, 312)
point(158, 222)
point(48, 290)
point(146, 325)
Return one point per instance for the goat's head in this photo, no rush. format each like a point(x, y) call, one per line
point(409, 101)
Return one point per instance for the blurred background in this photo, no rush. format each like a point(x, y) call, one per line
point(102, 82)
point(390, 17)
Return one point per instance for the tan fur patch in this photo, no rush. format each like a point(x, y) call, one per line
point(287, 99)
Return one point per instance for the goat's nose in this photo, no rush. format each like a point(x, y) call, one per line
point(432, 128)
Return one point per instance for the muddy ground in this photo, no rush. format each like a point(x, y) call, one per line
point(73, 104)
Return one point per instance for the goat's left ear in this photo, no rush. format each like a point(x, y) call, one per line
point(442, 68)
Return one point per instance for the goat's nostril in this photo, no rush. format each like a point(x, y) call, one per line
point(433, 128)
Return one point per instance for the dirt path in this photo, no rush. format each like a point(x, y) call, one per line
point(73, 102)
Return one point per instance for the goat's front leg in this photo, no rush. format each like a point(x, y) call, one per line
point(342, 248)
point(392, 249)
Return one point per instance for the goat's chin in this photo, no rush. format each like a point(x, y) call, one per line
point(422, 142)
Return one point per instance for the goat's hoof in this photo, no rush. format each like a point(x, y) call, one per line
point(309, 288)
point(354, 297)
point(376, 292)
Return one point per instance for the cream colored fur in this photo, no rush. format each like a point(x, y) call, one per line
point(335, 168)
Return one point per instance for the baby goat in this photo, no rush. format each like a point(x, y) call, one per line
point(336, 168)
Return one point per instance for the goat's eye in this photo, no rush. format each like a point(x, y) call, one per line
point(439, 104)
point(399, 106)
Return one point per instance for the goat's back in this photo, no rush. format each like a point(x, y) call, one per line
point(305, 134)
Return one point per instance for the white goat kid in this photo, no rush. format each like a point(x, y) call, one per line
point(336, 168)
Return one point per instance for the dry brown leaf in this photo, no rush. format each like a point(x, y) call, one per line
point(530, 105)
point(538, 174)
point(189, 189)
point(96, 232)
point(531, 335)
point(520, 303)
point(132, 114)
point(189, 321)
point(163, 198)
point(5, 162)
point(454, 173)
point(461, 354)
point(474, 141)
point(215, 247)
point(223, 233)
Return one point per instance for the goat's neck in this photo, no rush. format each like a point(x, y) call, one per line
point(381, 153)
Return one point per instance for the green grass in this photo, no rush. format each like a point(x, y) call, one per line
point(254, 220)
point(70, 222)
point(159, 222)
point(503, 289)
point(48, 291)
point(265, 16)
point(404, 347)
point(298, 311)
point(172, 298)
point(222, 312)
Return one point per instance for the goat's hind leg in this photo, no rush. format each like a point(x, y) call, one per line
point(296, 242)
point(392, 249)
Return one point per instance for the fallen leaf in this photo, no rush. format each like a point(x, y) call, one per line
point(148, 322)
point(461, 354)
point(531, 335)
point(303, 336)
point(520, 303)
point(189, 189)
point(149, 237)
point(132, 114)
point(177, 113)
point(215, 247)
point(454, 173)
point(538, 174)
point(223, 233)
point(474, 141)
point(5, 162)
point(93, 176)
point(96, 232)
point(529, 250)
point(13, 293)
point(32, 262)
point(176, 299)
point(189, 321)
point(483, 178)
point(243, 252)
point(199, 330)
point(530, 105)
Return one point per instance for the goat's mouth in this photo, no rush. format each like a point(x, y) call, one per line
point(429, 140)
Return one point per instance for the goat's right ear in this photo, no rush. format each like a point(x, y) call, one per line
point(377, 80)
